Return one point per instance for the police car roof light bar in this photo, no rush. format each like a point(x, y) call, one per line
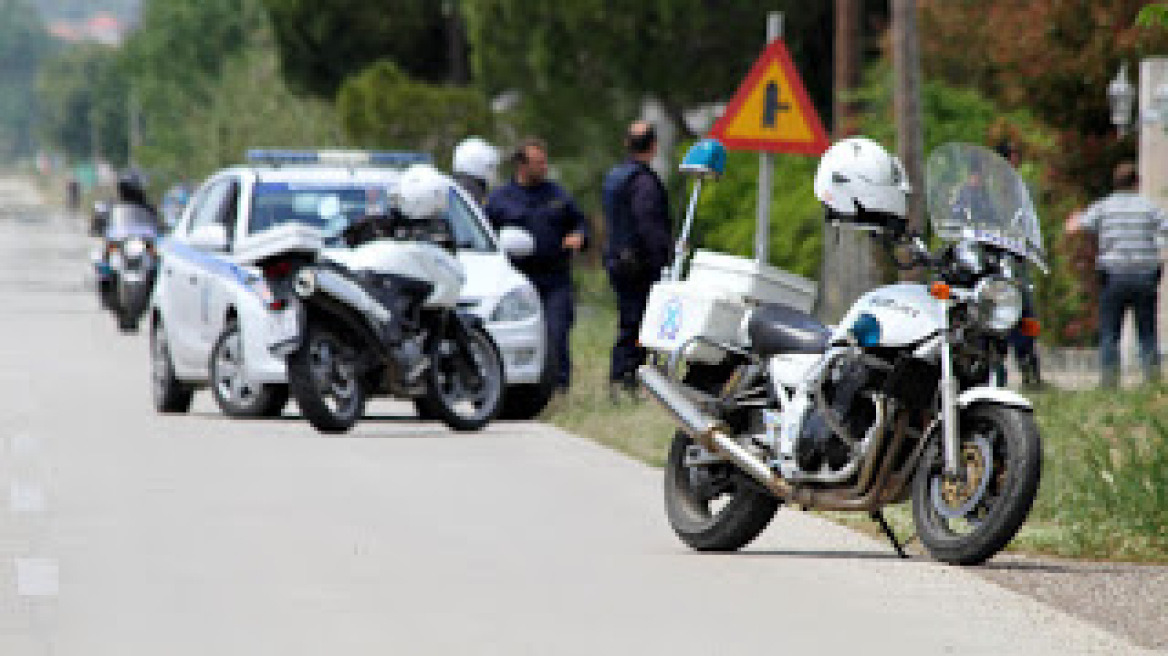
point(276, 157)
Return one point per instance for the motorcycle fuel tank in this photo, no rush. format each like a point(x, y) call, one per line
point(417, 260)
point(893, 315)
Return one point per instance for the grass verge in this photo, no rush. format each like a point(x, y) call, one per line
point(1104, 492)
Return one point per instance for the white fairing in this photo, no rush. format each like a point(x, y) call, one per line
point(907, 314)
point(418, 260)
point(792, 369)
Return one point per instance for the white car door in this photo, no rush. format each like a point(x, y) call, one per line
point(194, 264)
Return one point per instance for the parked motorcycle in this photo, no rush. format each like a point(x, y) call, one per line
point(899, 401)
point(126, 262)
point(380, 316)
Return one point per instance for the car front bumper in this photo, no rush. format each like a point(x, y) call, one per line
point(523, 345)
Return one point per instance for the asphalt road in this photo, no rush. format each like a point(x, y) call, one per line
point(124, 533)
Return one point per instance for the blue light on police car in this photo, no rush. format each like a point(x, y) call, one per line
point(866, 330)
point(336, 157)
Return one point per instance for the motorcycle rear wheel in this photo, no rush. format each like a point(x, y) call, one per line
point(713, 507)
point(323, 378)
point(968, 523)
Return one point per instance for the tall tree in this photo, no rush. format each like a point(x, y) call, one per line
point(322, 43)
point(81, 94)
point(23, 45)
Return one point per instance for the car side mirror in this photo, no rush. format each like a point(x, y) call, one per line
point(516, 242)
point(210, 237)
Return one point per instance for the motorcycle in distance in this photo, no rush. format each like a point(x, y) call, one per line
point(126, 262)
point(900, 401)
point(380, 316)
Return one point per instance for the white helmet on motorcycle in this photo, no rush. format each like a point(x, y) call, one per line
point(861, 184)
point(475, 157)
point(422, 192)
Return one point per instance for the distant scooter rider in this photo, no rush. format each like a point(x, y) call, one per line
point(476, 167)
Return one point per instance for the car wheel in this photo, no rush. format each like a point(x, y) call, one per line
point(170, 395)
point(236, 395)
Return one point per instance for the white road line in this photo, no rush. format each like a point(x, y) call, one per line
point(37, 577)
point(26, 497)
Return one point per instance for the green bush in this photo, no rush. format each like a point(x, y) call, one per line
point(381, 107)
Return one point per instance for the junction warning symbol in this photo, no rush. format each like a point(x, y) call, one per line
point(771, 111)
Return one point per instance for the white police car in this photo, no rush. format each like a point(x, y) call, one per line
point(214, 319)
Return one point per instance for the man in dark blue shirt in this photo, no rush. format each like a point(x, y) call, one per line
point(544, 209)
point(636, 215)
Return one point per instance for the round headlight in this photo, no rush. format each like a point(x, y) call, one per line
point(135, 247)
point(999, 304)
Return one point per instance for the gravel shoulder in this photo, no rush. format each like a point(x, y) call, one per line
point(1129, 600)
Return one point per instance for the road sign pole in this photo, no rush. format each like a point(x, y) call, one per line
point(766, 167)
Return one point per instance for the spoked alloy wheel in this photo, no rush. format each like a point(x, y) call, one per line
point(712, 506)
point(325, 380)
point(236, 395)
point(465, 381)
point(967, 521)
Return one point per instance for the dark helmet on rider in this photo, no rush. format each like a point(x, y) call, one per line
point(131, 187)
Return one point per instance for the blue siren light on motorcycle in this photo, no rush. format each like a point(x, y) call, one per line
point(866, 330)
point(706, 158)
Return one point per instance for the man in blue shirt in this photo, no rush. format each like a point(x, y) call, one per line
point(543, 208)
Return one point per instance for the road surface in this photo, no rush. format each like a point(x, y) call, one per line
point(127, 533)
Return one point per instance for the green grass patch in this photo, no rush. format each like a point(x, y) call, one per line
point(1104, 492)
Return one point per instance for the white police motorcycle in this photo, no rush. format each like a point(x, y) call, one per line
point(899, 401)
point(380, 316)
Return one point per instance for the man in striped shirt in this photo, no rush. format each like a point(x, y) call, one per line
point(1130, 230)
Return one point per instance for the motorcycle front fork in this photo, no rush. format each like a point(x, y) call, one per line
point(950, 430)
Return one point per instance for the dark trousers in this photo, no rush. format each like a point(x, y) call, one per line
point(632, 294)
point(559, 311)
point(1120, 292)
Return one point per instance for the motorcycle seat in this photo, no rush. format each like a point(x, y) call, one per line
point(775, 329)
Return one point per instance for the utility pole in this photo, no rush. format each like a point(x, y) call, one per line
point(906, 62)
point(849, 268)
point(766, 168)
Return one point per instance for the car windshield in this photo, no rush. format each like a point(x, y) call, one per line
point(973, 194)
point(469, 233)
point(329, 207)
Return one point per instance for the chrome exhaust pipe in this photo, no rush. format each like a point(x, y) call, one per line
point(709, 431)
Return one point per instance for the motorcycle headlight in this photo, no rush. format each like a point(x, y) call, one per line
point(999, 304)
point(135, 248)
point(517, 305)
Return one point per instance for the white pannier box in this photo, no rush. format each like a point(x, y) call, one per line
point(679, 311)
point(747, 281)
point(281, 239)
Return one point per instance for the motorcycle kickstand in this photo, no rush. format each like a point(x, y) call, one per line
point(878, 517)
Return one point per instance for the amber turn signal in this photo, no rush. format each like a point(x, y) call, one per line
point(1029, 328)
point(940, 291)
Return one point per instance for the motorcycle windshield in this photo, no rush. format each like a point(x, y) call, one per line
point(974, 194)
point(127, 221)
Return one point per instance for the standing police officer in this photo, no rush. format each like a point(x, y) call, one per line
point(636, 214)
point(544, 209)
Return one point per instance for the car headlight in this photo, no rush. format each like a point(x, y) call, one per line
point(999, 304)
point(135, 247)
point(517, 305)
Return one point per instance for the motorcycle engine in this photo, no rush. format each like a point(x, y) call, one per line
point(818, 444)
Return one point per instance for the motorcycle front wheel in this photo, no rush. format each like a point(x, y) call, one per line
point(968, 521)
point(464, 383)
point(324, 378)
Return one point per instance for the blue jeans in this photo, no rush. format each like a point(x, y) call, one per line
point(1120, 292)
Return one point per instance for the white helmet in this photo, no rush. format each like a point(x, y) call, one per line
point(422, 192)
point(857, 175)
point(477, 158)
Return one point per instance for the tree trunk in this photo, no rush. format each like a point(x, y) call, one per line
point(850, 264)
point(907, 104)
